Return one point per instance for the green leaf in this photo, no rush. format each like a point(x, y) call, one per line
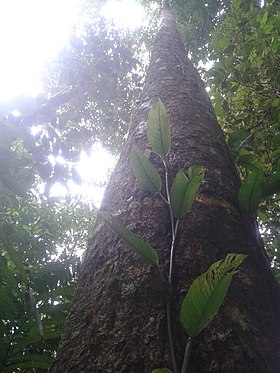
point(271, 185)
point(264, 19)
point(138, 245)
point(184, 189)
point(250, 192)
point(144, 171)
point(248, 160)
point(158, 129)
point(207, 293)
point(218, 103)
point(162, 370)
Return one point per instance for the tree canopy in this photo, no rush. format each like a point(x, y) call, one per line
point(89, 94)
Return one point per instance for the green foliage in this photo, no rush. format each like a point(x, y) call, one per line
point(207, 293)
point(94, 83)
point(144, 171)
point(184, 189)
point(162, 370)
point(196, 23)
point(16, 173)
point(271, 185)
point(251, 192)
point(39, 361)
point(158, 129)
point(89, 93)
point(38, 271)
point(244, 83)
point(138, 245)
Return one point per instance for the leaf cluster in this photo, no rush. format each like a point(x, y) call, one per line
point(245, 84)
point(39, 265)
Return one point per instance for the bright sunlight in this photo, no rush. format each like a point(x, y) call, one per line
point(32, 32)
point(124, 13)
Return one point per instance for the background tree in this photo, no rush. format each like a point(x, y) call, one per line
point(117, 321)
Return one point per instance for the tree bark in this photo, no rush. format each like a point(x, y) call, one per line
point(118, 321)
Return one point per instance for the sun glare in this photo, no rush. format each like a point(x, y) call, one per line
point(124, 13)
point(94, 170)
point(31, 33)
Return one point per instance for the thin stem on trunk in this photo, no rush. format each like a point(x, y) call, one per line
point(170, 336)
point(172, 252)
point(174, 229)
point(186, 356)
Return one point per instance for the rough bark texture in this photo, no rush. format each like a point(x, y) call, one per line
point(118, 321)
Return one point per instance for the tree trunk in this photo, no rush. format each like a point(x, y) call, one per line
point(118, 318)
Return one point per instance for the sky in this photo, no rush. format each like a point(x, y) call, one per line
point(124, 13)
point(32, 32)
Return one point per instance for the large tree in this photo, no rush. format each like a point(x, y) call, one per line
point(118, 320)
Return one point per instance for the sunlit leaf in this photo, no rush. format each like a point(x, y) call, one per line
point(138, 245)
point(158, 129)
point(207, 293)
point(144, 171)
point(184, 189)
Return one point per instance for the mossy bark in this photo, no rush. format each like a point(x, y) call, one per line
point(118, 321)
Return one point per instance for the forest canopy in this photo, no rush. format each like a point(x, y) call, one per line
point(89, 94)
